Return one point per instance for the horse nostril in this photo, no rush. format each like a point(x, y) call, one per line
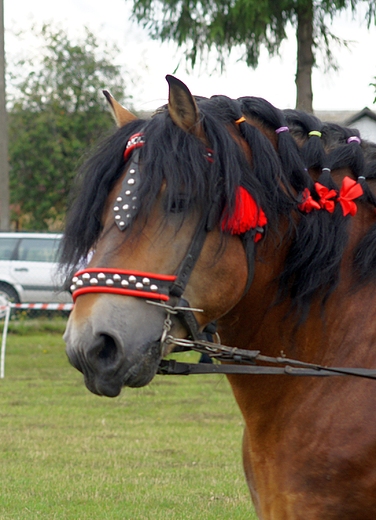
point(107, 351)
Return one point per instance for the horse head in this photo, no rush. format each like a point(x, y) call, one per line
point(173, 229)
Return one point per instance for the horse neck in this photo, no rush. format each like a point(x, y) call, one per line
point(341, 331)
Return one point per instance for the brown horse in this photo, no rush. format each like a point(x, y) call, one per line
point(231, 211)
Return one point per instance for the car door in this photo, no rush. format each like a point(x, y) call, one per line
point(36, 270)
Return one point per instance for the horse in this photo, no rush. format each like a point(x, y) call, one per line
point(231, 217)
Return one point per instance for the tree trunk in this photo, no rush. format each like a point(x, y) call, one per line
point(305, 58)
point(4, 167)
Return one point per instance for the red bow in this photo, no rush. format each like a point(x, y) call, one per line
point(308, 204)
point(246, 215)
point(349, 191)
point(326, 195)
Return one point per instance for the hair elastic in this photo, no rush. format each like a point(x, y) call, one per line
point(353, 139)
point(282, 129)
point(314, 133)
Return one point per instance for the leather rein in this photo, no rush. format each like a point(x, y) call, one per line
point(166, 291)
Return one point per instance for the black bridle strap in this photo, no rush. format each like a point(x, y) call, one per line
point(172, 367)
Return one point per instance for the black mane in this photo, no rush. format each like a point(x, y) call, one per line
point(276, 180)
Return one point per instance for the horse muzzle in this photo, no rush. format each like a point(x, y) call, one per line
point(117, 344)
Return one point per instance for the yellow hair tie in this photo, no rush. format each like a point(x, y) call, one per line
point(240, 120)
point(314, 133)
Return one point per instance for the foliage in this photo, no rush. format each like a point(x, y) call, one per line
point(220, 26)
point(56, 115)
point(169, 450)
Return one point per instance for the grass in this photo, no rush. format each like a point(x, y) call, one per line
point(170, 450)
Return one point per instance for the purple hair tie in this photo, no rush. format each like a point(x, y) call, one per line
point(353, 139)
point(282, 129)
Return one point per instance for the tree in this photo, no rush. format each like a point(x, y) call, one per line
point(56, 115)
point(204, 25)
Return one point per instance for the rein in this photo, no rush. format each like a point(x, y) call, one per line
point(240, 361)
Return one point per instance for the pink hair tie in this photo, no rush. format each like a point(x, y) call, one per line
point(282, 129)
point(353, 139)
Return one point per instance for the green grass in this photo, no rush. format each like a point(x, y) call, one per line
point(171, 450)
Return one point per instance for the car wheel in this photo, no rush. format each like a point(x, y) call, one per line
point(8, 295)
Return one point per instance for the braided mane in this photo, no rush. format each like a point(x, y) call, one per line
point(282, 168)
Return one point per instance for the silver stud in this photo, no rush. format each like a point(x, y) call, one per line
point(132, 171)
point(124, 283)
point(109, 282)
point(74, 279)
point(117, 277)
point(72, 287)
point(154, 288)
point(134, 198)
point(101, 276)
point(117, 217)
point(119, 199)
point(131, 181)
point(93, 281)
point(132, 279)
point(116, 208)
point(128, 215)
point(146, 281)
point(139, 285)
point(80, 283)
point(126, 206)
point(128, 192)
point(86, 276)
point(134, 207)
point(121, 224)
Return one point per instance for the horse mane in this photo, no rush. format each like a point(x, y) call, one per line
point(276, 179)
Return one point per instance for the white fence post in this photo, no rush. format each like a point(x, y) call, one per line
point(4, 340)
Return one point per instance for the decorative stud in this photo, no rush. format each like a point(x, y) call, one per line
point(121, 224)
point(139, 286)
point(117, 217)
point(101, 276)
point(132, 171)
point(116, 208)
point(80, 283)
point(131, 181)
point(109, 281)
point(126, 206)
point(117, 277)
point(119, 199)
point(146, 281)
point(93, 281)
point(74, 279)
point(72, 287)
point(132, 279)
point(154, 288)
point(86, 276)
point(124, 283)
point(128, 192)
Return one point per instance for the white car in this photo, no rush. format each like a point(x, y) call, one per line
point(29, 268)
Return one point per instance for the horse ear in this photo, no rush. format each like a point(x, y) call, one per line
point(121, 115)
point(183, 108)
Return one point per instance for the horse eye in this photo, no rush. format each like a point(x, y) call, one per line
point(178, 205)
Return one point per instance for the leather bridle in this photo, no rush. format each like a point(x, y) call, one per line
point(166, 291)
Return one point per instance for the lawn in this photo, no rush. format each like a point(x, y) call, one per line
point(170, 450)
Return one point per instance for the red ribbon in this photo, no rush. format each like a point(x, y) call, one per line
point(326, 195)
point(350, 190)
point(308, 203)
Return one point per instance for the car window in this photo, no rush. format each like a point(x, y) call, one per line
point(7, 246)
point(38, 249)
